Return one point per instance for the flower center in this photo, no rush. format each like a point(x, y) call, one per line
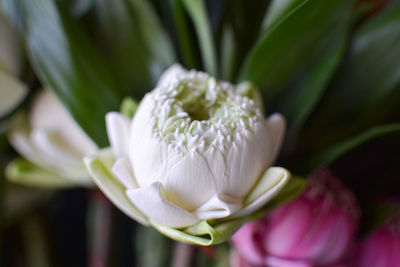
point(198, 112)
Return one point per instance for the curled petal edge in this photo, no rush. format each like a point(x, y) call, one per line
point(206, 232)
point(99, 167)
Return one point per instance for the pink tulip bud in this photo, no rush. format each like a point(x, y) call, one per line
point(382, 247)
point(316, 229)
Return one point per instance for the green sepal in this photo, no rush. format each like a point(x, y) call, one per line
point(23, 172)
point(129, 107)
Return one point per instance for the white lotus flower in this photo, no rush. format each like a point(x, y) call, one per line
point(195, 150)
point(52, 140)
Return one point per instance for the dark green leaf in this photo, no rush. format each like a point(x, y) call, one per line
point(228, 54)
point(185, 41)
point(297, 102)
point(134, 42)
point(66, 61)
point(373, 71)
point(334, 152)
point(197, 11)
point(365, 90)
point(289, 42)
point(279, 9)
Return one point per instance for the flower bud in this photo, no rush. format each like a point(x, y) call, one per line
point(382, 247)
point(52, 140)
point(196, 150)
point(316, 229)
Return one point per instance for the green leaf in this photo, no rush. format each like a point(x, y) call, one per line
point(289, 42)
point(65, 60)
point(332, 153)
point(23, 172)
point(279, 9)
point(129, 107)
point(197, 11)
point(365, 90)
point(134, 42)
point(298, 101)
point(244, 19)
point(185, 40)
point(228, 55)
point(377, 214)
point(375, 44)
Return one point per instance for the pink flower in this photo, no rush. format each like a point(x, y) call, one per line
point(316, 229)
point(382, 247)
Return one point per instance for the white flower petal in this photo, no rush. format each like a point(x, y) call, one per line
point(20, 141)
point(273, 180)
point(276, 128)
point(170, 74)
point(118, 133)
point(99, 166)
point(190, 182)
point(247, 161)
point(219, 206)
point(48, 114)
point(151, 163)
point(151, 202)
point(54, 148)
point(123, 171)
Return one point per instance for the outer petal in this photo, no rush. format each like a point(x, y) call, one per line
point(269, 185)
point(170, 74)
point(280, 262)
point(49, 143)
point(118, 133)
point(48, 113)
point(19, 139)
point(288, 226)
point(123, 171)
point(99, 167)
point(219, 206)
point(276, 128)
point(246, 161)
point(151, 202)
point(190, 183)
point(248, 243)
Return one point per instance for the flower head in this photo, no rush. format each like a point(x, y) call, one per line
point(195, 150)
point(317, 228)
point(51, 139)
point(382, 247)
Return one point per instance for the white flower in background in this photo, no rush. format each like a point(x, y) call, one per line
point(52, 140)
point(195, 150)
